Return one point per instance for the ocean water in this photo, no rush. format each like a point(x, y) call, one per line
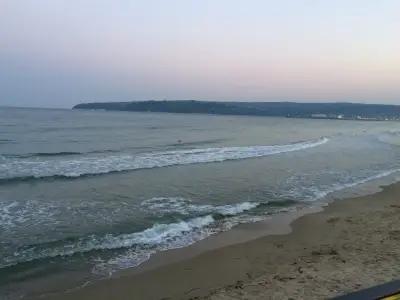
point(92, 192)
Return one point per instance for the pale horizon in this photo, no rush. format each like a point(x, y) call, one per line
point(59, 53)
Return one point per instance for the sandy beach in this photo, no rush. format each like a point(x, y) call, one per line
point(352, 244)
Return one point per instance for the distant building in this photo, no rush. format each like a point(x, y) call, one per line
point(319, 116)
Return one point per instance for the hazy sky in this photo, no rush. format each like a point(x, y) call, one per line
point(57, 53)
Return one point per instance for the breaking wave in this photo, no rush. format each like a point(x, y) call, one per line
point(165, 205)
point(140, 244)
point(195, 222)
point(303, 192)
point(40, 167)
point(320, 194)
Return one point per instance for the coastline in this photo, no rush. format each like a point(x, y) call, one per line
point(350, 245)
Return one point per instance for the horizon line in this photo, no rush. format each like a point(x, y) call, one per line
point(226, 101)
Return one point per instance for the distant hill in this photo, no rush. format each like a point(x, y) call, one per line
point(277, 109)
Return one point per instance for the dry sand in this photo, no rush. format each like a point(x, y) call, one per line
point(352, 244)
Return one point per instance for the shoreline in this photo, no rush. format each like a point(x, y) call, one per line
point(241, 262)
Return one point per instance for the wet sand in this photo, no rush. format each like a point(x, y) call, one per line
point(352, 244)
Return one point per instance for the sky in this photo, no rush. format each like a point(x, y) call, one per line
point(57, 53)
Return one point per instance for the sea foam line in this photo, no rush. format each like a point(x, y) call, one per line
point(340, 187)
point(139, 246)
point(158, 236)
point(19, 169)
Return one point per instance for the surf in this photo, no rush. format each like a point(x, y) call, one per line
point(23, 169)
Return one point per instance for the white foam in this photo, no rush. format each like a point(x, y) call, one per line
point(131, 258)
point(153, 236)
point(91, 165)
point(140, 245)
point(14, 214)
point(313, 193)
point(134, 257)
point(391, 137)
point(341, 187)
point(7, 218)
point(137, 247)
point(163, 205)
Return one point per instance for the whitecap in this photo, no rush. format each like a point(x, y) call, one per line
point(13, 168)
point(164, 205)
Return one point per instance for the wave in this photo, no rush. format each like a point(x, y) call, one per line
point(7, 217)
point(158, 237)
point(304, 192)
point(320, 194)
point(166, 205)
point(391, 137)
point(51, 154)
point(25, 169)
point(19, 214)
point(41, 154)
point(67, 153)
point(197, 221)
point(6, 141)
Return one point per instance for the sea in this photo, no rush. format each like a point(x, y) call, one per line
point(91, 193)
